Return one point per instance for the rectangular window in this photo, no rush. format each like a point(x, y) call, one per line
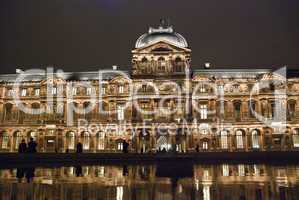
point(224, 142)
point(225, 170)
point(88, 91)
point(255, 140)
point(10, 93)
point(54, 91)
point(120, 89)
point(5, 141)
point(202, 89)
point(296, 140)
point(239, 140)
point(24, 92)
point(36, 92)
point(120, 112)
point(241, 170)
point(205, 145)
point(120, 146)
point(74, 91)
point(203, 111)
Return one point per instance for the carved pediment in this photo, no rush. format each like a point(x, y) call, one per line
point(159, 47)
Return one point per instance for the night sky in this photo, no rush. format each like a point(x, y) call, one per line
point(80, 35)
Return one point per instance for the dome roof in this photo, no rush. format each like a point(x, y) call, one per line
point(161, 34)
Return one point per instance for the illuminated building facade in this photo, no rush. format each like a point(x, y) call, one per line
point(174, 107)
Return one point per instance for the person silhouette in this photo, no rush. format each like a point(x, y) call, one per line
point(32, 146)
point(79, 147)
point(20, 174)
point(22, 147)
point(29, 174)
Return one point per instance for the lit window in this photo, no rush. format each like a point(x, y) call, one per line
point(203, 111)
point(296, 138)
point(103, 90)
point(74, 91)
point(24, 92)
point(225, 170)
point(120, 89)
point(88, 91)
point(71, 140)
point(255, 139)
point(202, 89)
point(119, 192)
point(33, 134)
point(86, 140)
point(54, 91)
point(120, 112)
point(239, 138)
point(36, 92)
point(223, 137)
point(120, 146)
point(101, 141)
point(205, 145)
point(256, 170)
point(206, 192)
point(241, 170)
point(5, 141)
point(10, 93)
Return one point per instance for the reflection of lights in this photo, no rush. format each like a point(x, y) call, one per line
point(241, 170)
point(256, 170)
point(180, 188)
point(197, 184)
point(205, 174)
point(206, 192)
point(119, 192)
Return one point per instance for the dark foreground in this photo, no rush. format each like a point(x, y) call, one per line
point(41, 159)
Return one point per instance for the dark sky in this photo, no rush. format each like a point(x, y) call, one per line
point(91, 34)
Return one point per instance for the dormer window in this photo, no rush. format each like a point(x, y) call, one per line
point(10, 92)
point(74, 91)
point(202, 89)
point(120, 89)
point(36, 92)
point(54, 91)
point(24, 92)
point(88, 91)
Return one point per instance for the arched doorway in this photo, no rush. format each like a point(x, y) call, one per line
point(162, 143)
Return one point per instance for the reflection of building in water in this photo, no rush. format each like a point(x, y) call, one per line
point(109, 182)
point(161, 57)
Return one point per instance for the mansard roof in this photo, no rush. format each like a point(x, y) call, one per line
point(69, 76)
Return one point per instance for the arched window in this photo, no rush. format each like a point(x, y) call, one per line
point(239, 138)
point(178, 64)
point(255, 139)
point(5, 140)
point(161, 64)
point(18, 139)
point(291, 108)
point(224, 140)
point(237, 110)
point(8, 111)
point(86, 140)
point(71, 140)
point(251, 108)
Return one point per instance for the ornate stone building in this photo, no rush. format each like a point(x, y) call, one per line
point(160, 103)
